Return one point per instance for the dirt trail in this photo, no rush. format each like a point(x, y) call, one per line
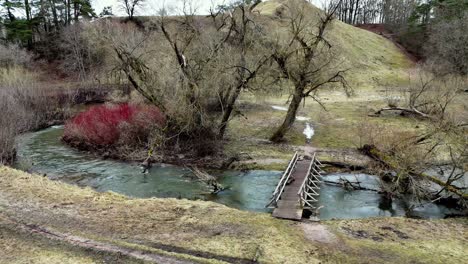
point(90, 244)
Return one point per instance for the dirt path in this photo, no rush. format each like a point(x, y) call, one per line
point(90, 244)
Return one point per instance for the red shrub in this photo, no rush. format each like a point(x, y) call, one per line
point(103, 125)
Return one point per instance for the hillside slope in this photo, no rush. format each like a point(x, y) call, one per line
point(372, 59)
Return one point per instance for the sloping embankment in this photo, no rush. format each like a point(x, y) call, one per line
point(81, 224)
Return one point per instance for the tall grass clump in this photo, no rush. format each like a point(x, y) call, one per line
point(24, 104)
point(108, 126)
point(15, 86)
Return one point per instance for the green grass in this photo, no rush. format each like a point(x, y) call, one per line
point(336, 127)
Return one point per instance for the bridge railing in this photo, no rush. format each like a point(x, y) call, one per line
point(308, 192)
point(283, 181)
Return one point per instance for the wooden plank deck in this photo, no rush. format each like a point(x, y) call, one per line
point(288, 206)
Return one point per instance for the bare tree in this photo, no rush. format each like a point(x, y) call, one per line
point(439, 144)
point(213, 60)
point(393, 13)
point(130, 7)
point(245, 37)
point(305, 59)
point(446, 46)
point(428, 95)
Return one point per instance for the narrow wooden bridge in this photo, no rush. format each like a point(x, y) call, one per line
point(298, 189)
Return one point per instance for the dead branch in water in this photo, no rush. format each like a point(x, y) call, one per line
point(343, 165)
point(386, 161)
point(208, 179)
point(351, 186)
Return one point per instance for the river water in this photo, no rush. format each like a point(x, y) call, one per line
point(43, 152)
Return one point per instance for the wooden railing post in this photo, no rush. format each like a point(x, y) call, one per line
point(307, 191)
point(283, 181)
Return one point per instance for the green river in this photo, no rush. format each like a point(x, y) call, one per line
point(43, 152)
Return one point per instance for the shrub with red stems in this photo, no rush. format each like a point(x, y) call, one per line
point(113, 125)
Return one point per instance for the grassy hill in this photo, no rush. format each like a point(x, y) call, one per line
point(374, 64)
point(372, 59)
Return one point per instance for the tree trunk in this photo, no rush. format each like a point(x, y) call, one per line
point(385, 160)
point(27, 9)
point(54, 14)
point(290, 116)
point(356, 11)
point(241, 84)
point(228, 111)
point(11, 17)
point(76, 10)
point(68, 8)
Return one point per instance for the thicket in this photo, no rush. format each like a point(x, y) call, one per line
point(192, 68)
point(113, 126)
point(440, 142)
point(24, 104)
point(434, 30)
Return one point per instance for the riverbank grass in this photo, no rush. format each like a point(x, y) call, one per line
point(338, 127)
point(206, 232)
point(21, 247)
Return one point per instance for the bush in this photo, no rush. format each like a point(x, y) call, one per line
point(24, 106)
point(13, 55)
point(104, 126)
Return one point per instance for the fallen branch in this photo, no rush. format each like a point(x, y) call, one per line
point(209, 180)
point(412, 111)
point(385, 161)
point(343, 165)
point(354, 185)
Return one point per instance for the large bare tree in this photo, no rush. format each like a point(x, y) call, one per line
point(130, 7)
point(194, 68)
point(305, 59)
point(439, 144)
point(245, 36)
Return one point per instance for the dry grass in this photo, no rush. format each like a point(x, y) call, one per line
point(338, 127)
point(18, 248)
point(399, 240)
point(191, 225)
point(374, 62)
point(182, 228)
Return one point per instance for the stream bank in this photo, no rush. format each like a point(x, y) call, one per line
point(43, 152)
point(195, 230)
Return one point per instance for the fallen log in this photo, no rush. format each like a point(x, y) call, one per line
point(209, 180)
point(412, 111)
point(342, 165)
point(354, 185)
point(375, 154)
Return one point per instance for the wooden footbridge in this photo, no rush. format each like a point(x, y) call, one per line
point(298, 188)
